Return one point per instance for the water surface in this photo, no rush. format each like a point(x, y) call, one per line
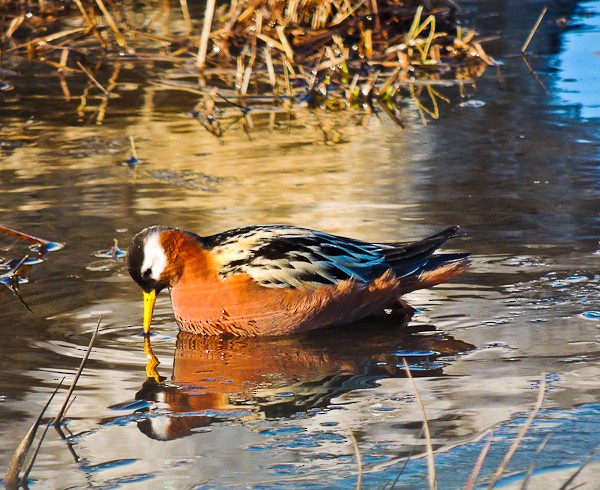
point(516, 168)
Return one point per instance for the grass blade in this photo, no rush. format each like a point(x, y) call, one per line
point(511, 451)
point(477, 468)
point(587, 461)
point(540, 448)
point(59, 416)
point(430, 460)
point(11, 479)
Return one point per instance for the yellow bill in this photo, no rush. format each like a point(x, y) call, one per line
point(149, 300)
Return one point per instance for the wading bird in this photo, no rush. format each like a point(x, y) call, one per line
point(276, 280)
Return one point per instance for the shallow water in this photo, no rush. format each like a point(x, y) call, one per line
point(516, 168)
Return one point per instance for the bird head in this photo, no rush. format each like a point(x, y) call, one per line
point(148, 266)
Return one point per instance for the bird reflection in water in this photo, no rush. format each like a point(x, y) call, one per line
point(218, 378)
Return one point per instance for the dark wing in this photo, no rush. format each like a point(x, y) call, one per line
point(285, 256)
point(406, 258)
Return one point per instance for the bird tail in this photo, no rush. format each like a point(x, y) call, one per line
point(439, 268)
point(419, 267)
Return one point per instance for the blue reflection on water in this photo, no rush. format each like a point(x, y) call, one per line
point(573, 437)
point(580, 62)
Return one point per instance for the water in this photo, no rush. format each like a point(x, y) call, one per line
point(516, 168)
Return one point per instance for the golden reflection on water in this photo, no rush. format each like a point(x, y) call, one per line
point(287, 175)
point(282, 376)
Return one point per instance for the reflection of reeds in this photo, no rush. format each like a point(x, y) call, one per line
point(301, 49)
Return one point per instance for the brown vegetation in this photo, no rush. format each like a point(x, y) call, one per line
point(332, 54)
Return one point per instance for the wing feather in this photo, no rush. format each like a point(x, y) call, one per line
point(286, 256)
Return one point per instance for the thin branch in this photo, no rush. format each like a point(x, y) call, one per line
point(533, 30)
point(91, 77)
point(29, 467)
point(59, 416)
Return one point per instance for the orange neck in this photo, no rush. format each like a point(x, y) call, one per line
point(186, 258)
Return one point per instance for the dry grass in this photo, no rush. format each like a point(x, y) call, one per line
point(333, 54)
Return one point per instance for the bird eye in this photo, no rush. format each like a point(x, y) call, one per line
point(147, 273)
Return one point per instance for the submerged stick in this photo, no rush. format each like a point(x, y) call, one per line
point(59, 416)
point(358, 459)
point(11, 479)
point(534, 29)
point(511, 451)
point(430, 461)
point(22, 236)
point(93, 80)
point(204, 37)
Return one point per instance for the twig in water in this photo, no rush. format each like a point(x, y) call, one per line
point(14, 25)
point(204, 36)
point(535, 27)
point(134, 152)
point(430, 461)
point(23, 236)
point(534, 73)
point(507, 457)
point(11, 479)
point(90, 23)
point(91, 77)
point(59, 417)
point(287, 48)
point(479, 463)
point(10, 280)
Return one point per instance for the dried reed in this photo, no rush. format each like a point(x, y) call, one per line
point(60, 415)
point(290, 48)
point(431, 478)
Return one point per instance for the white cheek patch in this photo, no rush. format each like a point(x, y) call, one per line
point(154, 257)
